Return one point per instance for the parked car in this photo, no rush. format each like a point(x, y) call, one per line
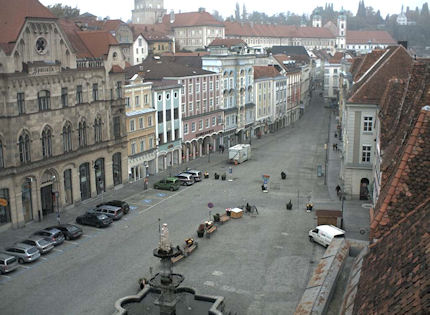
point(23, 252)
point(111, 211)
point(94, 219)
point(69, 231)
point(44, 245)
point(169, 183)
point(8, 263)
point(53, 234)
point(117, 203)
point(197, 175)
point(185, 178)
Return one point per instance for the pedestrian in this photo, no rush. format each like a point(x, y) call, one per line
point(248, 207)
point(222, 149)
point(58, 219)
point(142, 283)
point(335, 134)
point(337, 189)
point(335, 146)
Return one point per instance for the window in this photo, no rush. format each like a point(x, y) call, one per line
point(67, 138)
point(118, 89)
point(44, 100)
point(185, 128)
point(142, 145)
point(137, 51)
point(167, 96)
point(46, 142)
point(20, 100)
point(98, 130)
point(145, 99)
point(198, 106)
point(200, 124)
point(219, 119)
point(149, 121)
point(82, 134)
point(213, 121)
point(211, 86)
point(140, 42)
point(183, 108)
point(117, 127)
point(136, 101)
point(160, 117)
point(151, 143)
point(127, 102)
point(365, 156)
point(79, 95)
point(142, 50)
point(133, 148)
point(204, 87)
point(207, 123)
point(190, 106)
point(175, 95)
point(24, 148)
point(141, 123)
point(176, 113)
point(64, 97)
point(190, 88)
point(193, 127)
point(197, 87)
point(368, 123)
point(168, 115)
point(95, 92)
point(159, 97)
point(132, 125)
point(1, 155)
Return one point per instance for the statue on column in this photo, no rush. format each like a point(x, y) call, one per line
point(164, 239)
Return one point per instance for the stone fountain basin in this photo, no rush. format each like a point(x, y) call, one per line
point(190, 303)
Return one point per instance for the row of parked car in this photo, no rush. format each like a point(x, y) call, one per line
point(186, 178)
point(43, 241)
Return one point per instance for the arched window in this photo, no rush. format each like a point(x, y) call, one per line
point(24, 147)
point(67, 137)
point(47, 142)
point(1, 155)
point(98, 130)
point(82, 134)
point(44, 100)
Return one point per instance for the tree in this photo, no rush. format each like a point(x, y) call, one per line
point(237, 12)
point(66, 11)
point(244, 13)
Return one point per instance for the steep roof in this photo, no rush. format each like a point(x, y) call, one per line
point(265, 72)
point(191, 19)
point(337, 58)
point(394, 63)
point(290, 50)
point(405, 131)
point(227, 42)
point(286, 63)
point(150, 32)
point(364, 37)
point(356, 63)
point(395, 274)
point(163, 67)
point(97, 42)
point(12, 18)
point(368, 61)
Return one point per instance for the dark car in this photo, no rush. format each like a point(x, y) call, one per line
point(69, 231)
point(117, 203)
point(53, 234)
point(94, 219)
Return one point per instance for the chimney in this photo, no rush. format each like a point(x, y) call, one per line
point(172, 17)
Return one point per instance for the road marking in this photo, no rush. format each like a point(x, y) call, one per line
point(25, 267)
point(58, 250)
point(85, 235)
point(284, 234)
point(9, 277)
point(43, 258)
point(217, 273)
point(161, 201)
point(209, 283)
point(69, 242)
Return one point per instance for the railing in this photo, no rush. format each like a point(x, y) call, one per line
point(89, 63)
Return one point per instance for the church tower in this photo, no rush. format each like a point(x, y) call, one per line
point(317, 20)
point(148, 11)
point(341, 26)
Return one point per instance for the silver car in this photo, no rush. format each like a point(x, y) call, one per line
point(8, 263)
point(24, 252)
point(197, 175)
point(44, 245)
point(111, 211)
point(56, 236)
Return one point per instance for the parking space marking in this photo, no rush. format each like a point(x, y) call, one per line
point(147, 200)
point(58, 250)
point(25, 267)
point(44, 258)
point(133, 208)
point(86, 235)
point(70, 242)
point(161, 201)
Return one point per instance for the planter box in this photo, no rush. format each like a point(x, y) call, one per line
point(236, 213)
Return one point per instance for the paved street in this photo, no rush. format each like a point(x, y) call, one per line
point(260, 265)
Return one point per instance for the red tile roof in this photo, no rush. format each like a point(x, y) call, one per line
point(71, 30)
point(191, 19)
point(394, 278)
point(337, 58)
point(12, 18)
point(368, 61)
point(364, 37)
point(369, 89)
point(228, 42)
point(97, 42)
point(271, 30)
point(187, 54)
point(265, 72)
point(150, 31)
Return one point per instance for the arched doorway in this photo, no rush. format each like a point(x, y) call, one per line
point(364, 189)
point(84, 180)
point(27, 200)
point(99, 170)
point(49, 191)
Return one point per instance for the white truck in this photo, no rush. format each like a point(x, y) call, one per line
point(239, 153)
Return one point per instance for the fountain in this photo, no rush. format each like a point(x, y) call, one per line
point(163, 295)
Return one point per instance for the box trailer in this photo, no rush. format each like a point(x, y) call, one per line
point(239, 153)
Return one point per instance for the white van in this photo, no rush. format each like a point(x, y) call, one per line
point(324, 234)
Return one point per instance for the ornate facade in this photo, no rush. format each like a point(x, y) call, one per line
point(62, 122)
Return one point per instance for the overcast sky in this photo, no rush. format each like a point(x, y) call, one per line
point(122, 8)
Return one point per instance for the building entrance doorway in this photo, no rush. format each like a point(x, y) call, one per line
point(47, 200)
point(364, 189)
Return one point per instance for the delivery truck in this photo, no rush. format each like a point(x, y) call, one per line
point(239, 153)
